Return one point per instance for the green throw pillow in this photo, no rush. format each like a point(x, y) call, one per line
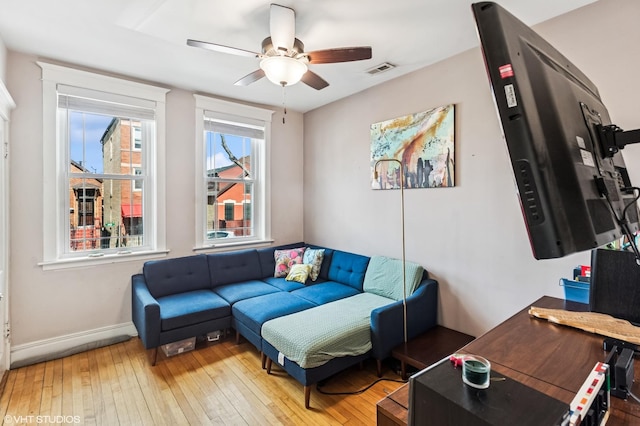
point(384, 277)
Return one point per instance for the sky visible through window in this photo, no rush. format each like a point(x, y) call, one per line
point(217, 157)
point(85, 132)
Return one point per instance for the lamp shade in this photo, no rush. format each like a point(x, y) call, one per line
point(283, 70)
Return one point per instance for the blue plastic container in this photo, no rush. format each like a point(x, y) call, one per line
point(575, 291)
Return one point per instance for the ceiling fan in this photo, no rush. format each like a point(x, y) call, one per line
point(283, 59)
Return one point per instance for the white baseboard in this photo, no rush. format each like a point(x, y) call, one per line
point(56, 347)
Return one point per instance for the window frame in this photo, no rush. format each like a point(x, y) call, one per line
point(261, 220)
point(55, 180)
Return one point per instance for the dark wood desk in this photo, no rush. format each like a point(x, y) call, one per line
point(551, 358)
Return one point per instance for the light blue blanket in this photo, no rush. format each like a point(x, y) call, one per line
point(314, 336)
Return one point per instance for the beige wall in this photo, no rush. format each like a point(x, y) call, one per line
point(472, 237)
point(3, 61)
point(47, 305)
point(605, 44)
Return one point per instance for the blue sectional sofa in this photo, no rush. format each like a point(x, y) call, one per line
point(179, 298)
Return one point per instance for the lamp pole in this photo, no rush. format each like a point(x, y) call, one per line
point(404, 269)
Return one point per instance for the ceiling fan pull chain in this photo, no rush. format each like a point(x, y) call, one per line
point(284, 101)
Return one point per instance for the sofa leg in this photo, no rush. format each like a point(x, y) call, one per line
point(237, 337)
point(269, 362)
point(263, 359)
point(154, 356)
point(379, 367)
point(307, 396)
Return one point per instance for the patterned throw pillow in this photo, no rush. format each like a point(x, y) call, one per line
point(299, 273)
point(314, 258)
point(285, 259)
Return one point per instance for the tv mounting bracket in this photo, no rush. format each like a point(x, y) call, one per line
point(613, 138)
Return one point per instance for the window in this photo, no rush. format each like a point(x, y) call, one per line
point(102, 140)
point(229, 207)
point(247, 210)
point(137, 137)
point(232, 177)
point(137, 183)
point(86, 203)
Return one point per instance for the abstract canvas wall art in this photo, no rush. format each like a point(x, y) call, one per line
point(423, 142)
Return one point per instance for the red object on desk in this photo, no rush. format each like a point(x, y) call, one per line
point(456, 360)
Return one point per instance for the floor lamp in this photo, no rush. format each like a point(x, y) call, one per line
point(404, 268)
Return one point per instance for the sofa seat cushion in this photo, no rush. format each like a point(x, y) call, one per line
point(325, 292)
point(256, 311)
point(314, 336)
point(235, 292)
point(191, 307)
point(283, 284)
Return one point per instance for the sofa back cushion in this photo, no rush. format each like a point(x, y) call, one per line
point(170, 276)
point(384, 277)
point(267, 260)
point(348, 268)
point(234, 267)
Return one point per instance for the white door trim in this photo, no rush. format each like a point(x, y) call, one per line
point(6, 105)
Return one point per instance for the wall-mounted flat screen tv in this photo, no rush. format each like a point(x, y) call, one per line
point(574, 193)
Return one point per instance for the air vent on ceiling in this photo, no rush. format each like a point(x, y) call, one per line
point(385, 66)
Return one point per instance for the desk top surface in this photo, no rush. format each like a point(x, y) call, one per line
point(551, 358)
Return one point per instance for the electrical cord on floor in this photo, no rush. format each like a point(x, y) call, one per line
point(359, 391)
point(634, 397)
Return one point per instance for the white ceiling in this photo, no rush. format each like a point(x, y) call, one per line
point(146, 39)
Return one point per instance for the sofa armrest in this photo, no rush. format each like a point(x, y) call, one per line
point(145, 312)
point(387, 330)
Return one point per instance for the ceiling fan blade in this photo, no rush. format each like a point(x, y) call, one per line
point(312, 79)
point(345, 54)
point(222, 49)
point(282, 26)
point(250, 78)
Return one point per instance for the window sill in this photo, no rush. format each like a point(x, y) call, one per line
point(231, 245)
point(81, 262)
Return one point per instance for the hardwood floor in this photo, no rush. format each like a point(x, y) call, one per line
point(220, 383)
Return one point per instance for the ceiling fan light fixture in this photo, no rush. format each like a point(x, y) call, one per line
point(283, 59)
point(283, 70)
